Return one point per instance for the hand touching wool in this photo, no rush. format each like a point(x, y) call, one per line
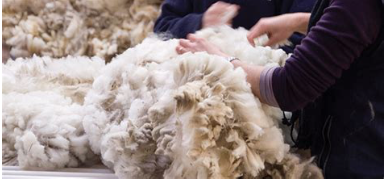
point(279, 28)
point(156, 113)
point(197, 44)
point(150, 113)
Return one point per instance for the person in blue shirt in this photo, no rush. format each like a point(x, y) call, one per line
point(182, 17)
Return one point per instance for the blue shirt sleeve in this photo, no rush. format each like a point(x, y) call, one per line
point(178, 18)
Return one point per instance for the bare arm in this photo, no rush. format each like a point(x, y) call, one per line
point(302, 22)
point(196, 44)
point(253, 76)
point(279, 28)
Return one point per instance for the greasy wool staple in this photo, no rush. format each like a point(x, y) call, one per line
point(58, 28)
point(152, 112)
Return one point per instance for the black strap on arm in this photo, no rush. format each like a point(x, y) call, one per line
point(291, 122)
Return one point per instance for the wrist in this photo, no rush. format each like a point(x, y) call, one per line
point(300, 22)
point(204, 21)
point(207, 20)
point(231, 59)
point(223, 55)
point(237, 63)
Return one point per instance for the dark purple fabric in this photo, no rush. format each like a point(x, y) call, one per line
point(341, 35)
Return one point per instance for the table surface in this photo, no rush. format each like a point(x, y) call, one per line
point(96, 172)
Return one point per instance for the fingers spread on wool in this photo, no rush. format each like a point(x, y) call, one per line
point(180, 50)
point(251, 36)
point(272, 41)
point(185, 43)
point(193, 38)
point(256, 31)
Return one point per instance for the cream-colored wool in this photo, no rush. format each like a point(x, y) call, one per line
point(42, 111)
point(237, 45)
point(152, 113)
point(58, 28)
point(291, 167)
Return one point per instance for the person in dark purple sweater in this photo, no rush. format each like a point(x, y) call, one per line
point(336, 76)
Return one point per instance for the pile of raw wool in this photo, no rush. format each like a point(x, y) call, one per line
point(57, 28)
point(42, 111)
point(152, 113)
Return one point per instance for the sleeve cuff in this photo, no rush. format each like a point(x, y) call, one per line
point(266, 88)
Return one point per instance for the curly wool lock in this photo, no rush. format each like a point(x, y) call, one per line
point(155, 113)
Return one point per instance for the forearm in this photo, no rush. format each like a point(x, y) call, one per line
point(279, 28)
point(253, 76)
point(300, 22)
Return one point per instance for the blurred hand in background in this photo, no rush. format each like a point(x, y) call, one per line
point(279, 28)
point(219, 13)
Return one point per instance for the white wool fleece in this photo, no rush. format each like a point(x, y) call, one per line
point(152, 113)
point(42, 111)
point(155, 113)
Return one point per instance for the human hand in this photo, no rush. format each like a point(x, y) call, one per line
point(219, 13)
point(279, 28)
point(196, 44)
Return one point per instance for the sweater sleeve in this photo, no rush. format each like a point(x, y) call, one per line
point(343, 32)
point(177, 18)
